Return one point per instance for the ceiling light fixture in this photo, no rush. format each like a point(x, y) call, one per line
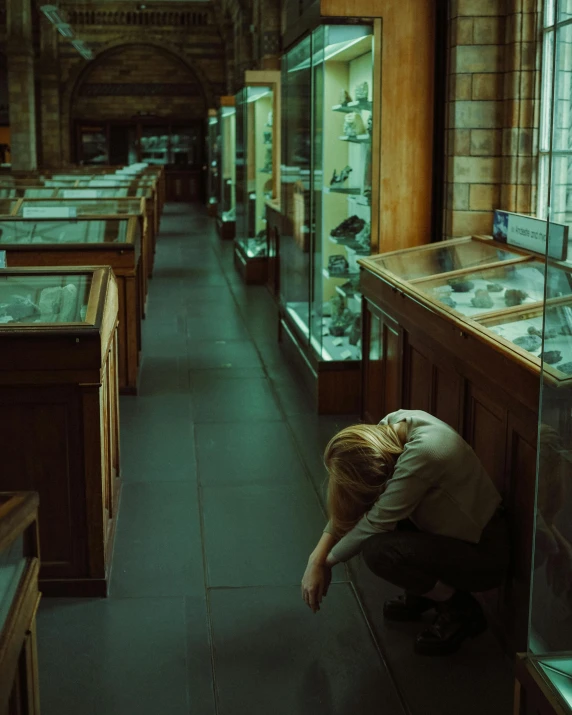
point(53, 14)
point(83, 49)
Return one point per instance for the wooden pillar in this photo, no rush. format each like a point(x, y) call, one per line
point(21, 90)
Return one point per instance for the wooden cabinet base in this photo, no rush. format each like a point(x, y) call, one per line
point(254, 271)
point(212, 210)
point(226, 229)
point(335, 385)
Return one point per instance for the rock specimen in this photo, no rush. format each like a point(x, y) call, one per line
point(494, 287)
point(551, 356)
point(447, 300)
point(566, 367)
point(528, 342)
point(514, 297)
point(548, 335)
point(19, 307)
point(482, 299)
point(565, 329)
point(57, 305)
point(460, 285)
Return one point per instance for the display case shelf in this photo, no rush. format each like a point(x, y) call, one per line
point(355, 106)
point(358, 139)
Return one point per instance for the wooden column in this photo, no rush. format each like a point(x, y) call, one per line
point(407, 106)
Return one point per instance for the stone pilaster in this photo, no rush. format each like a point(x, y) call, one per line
point(21, 90)
point(49, 74)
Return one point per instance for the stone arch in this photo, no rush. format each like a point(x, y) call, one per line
point(81, 73)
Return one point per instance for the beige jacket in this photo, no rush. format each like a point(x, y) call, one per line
point(438, 483)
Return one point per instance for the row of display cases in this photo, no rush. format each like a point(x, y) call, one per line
point(72, 299)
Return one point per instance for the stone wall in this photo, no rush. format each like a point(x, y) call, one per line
point(491, 112)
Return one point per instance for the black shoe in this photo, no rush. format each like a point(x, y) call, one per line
point(458, 618)
point(407, 607)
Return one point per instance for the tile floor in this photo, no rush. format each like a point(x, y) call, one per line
point(221, 505)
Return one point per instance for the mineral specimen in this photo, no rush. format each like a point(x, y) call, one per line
point(514, 297)
point(565, 329)
point(548, 335)
point(482, 299)
point(19, 307)
point(551, 356)
point(528, 342)
point(494, 287)
point(446, 300)
point(566, 367)
point(460, 285)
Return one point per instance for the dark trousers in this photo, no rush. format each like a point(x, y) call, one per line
point(416, 560)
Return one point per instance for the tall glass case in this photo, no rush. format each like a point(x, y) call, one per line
point(227, 168)
point(256, 166)
point(328, 100)
point(212, 160)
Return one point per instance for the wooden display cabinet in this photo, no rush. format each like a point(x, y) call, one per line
point(19, 599)
point(81, 242)
point(431, 343)
point(59, 416)
point(8, 207)
point(257, 170)
point(100, 208)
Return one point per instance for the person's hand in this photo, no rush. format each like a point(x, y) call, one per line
point(315, 584)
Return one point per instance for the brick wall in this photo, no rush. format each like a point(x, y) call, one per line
point(492, 112)
point(139, 79)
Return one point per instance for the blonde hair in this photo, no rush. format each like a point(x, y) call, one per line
point(359, 459)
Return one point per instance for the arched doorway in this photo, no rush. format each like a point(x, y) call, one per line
point(141, 102)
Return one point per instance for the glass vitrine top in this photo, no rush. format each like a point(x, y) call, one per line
point(62, 232)
point(88, 207)
point(100, 192)
point(443, 257)
point(12, 565)
point(29, 300)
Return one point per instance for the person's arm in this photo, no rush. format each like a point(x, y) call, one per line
point(318, 574)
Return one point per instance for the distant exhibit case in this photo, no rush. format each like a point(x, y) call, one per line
point(19, 600)
point(83, 242)
point(59, 416)
point(257, 169)
point(226, 208)
point(212, 135)
point(330, 146)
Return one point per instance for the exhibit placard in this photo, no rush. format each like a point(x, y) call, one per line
point(49, 212)
point(532, 234)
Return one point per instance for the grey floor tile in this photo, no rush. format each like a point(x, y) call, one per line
point(247, 453)
point(233, 401)
point(478, 679)
point(294, 398)
point(205, 328)
point(163, 374)
point(200, 667)
point(113, 656)
point(156, 438)
point(260, 535)
point(272, 655)
point(158, 549)
point(227, 372)
point(213, 354)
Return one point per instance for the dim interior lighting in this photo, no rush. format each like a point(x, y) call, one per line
point(83, 49)
point(53, 14)
point(65, 30)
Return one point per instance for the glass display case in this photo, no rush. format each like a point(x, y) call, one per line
point(523, 302)
point(226, 219)
point(8, 206)
point(43, 299)
point(329, 112)
point(114, 242)
point(256, 169)
point(212, 135)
